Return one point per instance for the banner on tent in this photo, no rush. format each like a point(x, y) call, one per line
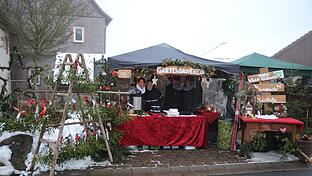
point(176, 70)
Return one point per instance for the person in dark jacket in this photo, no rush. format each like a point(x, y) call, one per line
point(151, 96)
point(173, 94)
point(188, 95)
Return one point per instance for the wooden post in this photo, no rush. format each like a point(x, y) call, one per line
point(267, 107)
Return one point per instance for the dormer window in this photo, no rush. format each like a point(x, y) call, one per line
point(78, 34)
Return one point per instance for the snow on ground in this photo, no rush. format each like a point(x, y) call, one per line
point(6, 154)
point(72, 130)
point(50, 136)
point(5, 159)
point(271, 156)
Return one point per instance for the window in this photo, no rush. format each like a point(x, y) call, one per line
point(78, 34)
point(36, 79)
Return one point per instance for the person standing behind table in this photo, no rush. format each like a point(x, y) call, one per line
point(151, 96)
point(188, 95)
point(198, 92)
point(141, 85)
point(173, 96)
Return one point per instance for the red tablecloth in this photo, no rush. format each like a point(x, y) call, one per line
point(287, 120)
point(158, 130)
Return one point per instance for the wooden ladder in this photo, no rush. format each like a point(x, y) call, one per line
point(73, 67)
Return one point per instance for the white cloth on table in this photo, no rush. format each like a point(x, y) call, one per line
point(271, 117)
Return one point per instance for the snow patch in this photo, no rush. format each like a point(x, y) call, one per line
point(6, 170)
point(271, 156)
point(6, 153)
point(51, 136)
point(5, 159)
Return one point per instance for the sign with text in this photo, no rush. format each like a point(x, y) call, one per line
point(176, 70)
point(124, 73)
point(271, 98)
point(269, 87)
point(266, 76)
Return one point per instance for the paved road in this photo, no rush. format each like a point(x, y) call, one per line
point(306, 172)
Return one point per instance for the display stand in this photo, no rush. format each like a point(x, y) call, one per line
point(73, 67)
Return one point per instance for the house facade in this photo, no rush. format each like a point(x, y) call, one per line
point(300, 51)
point(4, 59)
point(88, 37)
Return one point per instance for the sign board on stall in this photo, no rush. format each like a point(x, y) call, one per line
point(265, 76)
point(124, 73)
point(176, 70)
point(271, 98)
point(269, 87)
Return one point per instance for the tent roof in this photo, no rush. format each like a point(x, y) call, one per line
point(259, 60)
point(254, 61)
point(155, 55)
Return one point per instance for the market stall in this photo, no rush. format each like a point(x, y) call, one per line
point(268, 79)
point(163, 63)
point(264, 106)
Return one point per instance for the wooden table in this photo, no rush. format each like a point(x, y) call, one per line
point(159, 130)
point(253, 126)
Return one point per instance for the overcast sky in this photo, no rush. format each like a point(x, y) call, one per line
point(206, 28)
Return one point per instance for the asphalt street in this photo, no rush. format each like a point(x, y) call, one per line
point(306, 172)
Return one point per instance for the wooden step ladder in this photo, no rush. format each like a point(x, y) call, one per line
point(73, 67)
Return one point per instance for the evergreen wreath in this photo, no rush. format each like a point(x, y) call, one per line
point(209, 70)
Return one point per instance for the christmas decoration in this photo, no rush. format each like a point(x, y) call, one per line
point(107, 80)
point(209, 71)
point(154, 80)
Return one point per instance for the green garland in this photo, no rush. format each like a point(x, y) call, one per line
point(208, 69)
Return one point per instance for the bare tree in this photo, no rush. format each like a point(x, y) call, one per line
point(40, 27)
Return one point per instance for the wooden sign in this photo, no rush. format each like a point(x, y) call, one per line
point(176, 70)
point(269, 87)
point(266, 76)
point(271, 98)
point(124, 73)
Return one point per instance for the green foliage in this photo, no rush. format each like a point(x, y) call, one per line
point(259, 143)
point(224, 134)
point(75, 150)
point(26, 124)
point(117, 117)
point(229, 85)
point(307, 131)
point(299, 96)
point(106, 80)
point(117, 150)
point(288, 148)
